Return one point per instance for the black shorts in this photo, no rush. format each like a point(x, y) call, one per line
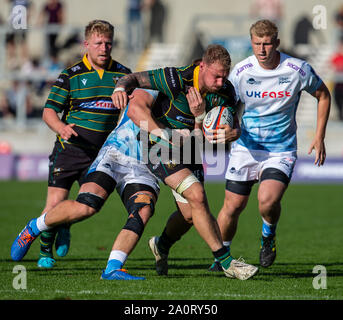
point(244, 187)
point(69, 163)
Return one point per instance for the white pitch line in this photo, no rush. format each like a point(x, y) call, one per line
point(170, 294)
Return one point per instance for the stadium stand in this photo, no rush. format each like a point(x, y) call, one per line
point(186, 34)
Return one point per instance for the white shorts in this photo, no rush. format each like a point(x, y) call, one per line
point(123, 169)
point(247, 165)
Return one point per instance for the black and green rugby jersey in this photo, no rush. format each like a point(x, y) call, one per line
point(83, 94)
point(174, 82)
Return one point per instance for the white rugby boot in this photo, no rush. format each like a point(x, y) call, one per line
point(161, 258)
point(240, 270)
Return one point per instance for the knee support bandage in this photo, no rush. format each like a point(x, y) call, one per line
point(135, 204)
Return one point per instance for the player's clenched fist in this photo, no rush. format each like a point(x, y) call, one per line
point(120, 98)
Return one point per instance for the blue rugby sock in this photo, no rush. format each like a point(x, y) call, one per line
point(268, 229)
point(113, 264)
point(34, 227)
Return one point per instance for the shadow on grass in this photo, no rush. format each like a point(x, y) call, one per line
point(279, 269)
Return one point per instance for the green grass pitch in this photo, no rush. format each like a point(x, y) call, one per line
point(309, 234)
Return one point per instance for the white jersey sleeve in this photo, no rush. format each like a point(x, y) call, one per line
point(310, 80)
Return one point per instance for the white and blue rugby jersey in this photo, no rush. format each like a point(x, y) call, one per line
point(124, 136)
point(271, 98)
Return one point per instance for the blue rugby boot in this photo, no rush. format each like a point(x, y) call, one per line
point(23, 242)
point(120, 274)
point(62, 243)
point(46, 262)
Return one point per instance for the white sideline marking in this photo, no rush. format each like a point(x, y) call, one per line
point(170, 293)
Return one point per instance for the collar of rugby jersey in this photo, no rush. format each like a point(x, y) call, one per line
point(89, 66)
point(196, 79)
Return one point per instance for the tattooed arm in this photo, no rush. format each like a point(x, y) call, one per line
point(125, 84)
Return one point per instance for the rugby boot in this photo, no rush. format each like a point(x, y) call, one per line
point(160, 258)
point(238, 269)
point(22, 242)
point(268, 251)
point(46, 262)
point(120, 274)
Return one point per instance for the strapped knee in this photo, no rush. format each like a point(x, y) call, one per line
point(91, 200)
point(138, 201)
point(186, 183)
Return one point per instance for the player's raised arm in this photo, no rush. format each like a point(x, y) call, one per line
point(120, 96)
point(322, 94)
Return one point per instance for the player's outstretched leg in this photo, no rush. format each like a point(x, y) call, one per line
point(62, 243)
point(24, 240)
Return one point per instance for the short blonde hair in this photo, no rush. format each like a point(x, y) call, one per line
point(264, 28)
point(217, 53)
point(99, 27)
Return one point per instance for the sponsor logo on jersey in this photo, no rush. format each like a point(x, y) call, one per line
point(253, 81)
point(185, 120)
point(172, 79)
point(84, 81)
point(74, 69)
point(246, 66)
point(296, 68)
point(100, 104)
point(268, 94)
point(283, 80)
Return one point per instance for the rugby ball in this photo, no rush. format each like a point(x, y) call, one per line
point(215, 117)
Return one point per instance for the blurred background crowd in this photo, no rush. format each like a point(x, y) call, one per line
point(150, 34)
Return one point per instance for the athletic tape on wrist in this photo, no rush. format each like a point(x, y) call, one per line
point(200, 118)
point(119, 89)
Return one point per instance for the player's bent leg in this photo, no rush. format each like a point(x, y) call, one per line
point(140, 207)
point(273, 185)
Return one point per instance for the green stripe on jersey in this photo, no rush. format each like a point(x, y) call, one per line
point(93, 125)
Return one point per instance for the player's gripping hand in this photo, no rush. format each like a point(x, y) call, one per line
point(67, 131)
point(120, 98)
point(223, 134)
point(196, 103)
